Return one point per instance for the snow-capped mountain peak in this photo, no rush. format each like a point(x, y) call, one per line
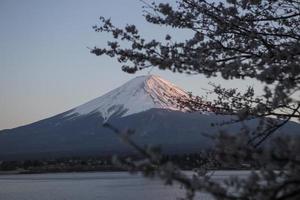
point(139, 94)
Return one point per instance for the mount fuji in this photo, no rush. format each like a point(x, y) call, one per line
point(140, 94)
point(146, 104)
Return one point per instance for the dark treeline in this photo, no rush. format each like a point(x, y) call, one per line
point(59, 165)
point(184, 161)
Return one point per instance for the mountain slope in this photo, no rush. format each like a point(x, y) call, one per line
point(140, 94)
point(175, 131)
point(146, 104)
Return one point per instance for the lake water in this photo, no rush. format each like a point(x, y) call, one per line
point(92, 186)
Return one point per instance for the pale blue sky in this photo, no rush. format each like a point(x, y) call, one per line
point(45, 67)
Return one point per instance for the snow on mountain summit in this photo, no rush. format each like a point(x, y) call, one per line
point(139, 94)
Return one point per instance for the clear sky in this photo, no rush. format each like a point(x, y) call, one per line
point(46, 68)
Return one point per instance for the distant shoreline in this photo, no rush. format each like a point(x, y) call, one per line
point(21, 171)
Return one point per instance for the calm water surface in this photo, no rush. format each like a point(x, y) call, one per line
point(92, 186)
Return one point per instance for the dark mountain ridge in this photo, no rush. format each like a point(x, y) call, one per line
point(176, 132)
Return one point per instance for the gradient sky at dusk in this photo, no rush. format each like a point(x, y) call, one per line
point(46, 68)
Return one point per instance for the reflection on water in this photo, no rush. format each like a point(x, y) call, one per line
point(91, 186)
